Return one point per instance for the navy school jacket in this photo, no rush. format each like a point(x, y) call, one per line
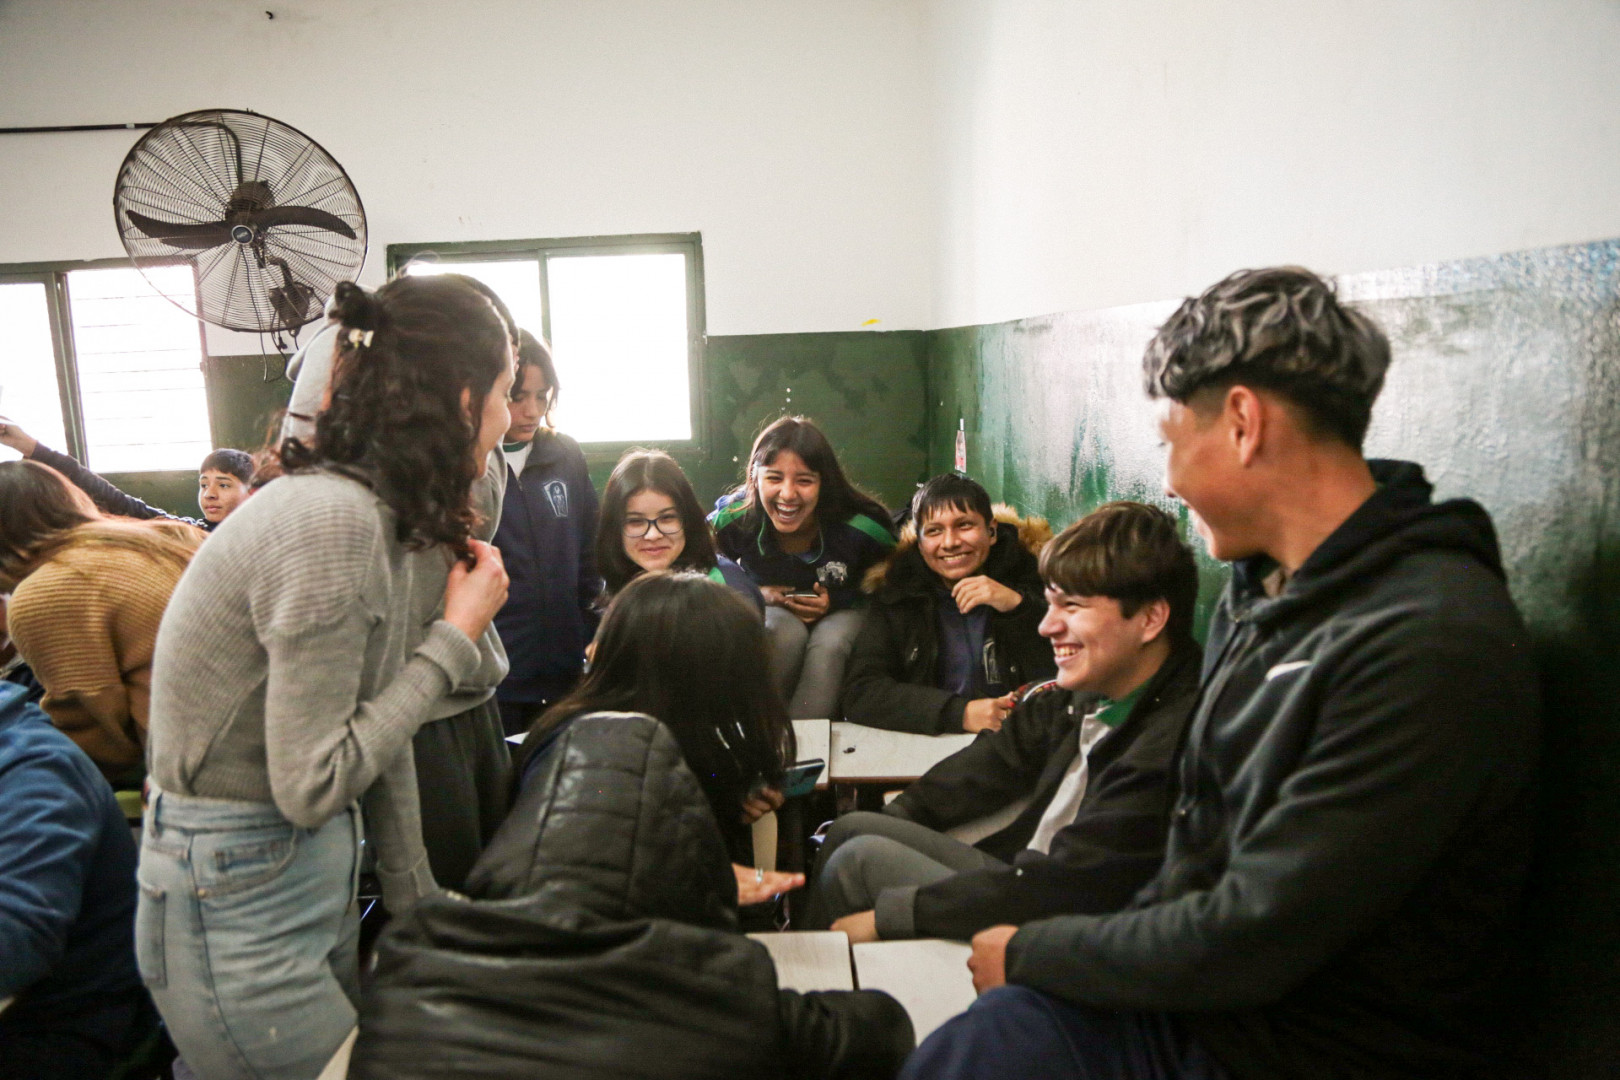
point(840, 559)
point(547, 538)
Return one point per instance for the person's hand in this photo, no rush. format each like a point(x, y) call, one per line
point(971, 592)
point(472, 597)
point(773, 594)
point(758, 886)
point(989, 960)
point(986, 713)
point(760, 801)
point(808, 608)
point(15, 437)
point(861, 927)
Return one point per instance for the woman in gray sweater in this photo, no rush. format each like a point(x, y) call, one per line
point(293, 666)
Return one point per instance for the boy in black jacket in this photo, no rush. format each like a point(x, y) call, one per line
point(1090, 751)
point(951, 632)
point(1353, 823)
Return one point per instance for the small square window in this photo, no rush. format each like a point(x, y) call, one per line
point(623, 316)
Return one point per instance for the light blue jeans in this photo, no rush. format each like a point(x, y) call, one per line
point(807, 662)
point(246, 932)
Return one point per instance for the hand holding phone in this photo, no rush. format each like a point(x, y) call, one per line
point(801, 776)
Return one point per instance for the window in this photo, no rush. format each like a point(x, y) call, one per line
point(624, 316)
point(98, 363)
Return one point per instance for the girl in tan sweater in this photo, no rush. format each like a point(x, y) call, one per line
point(88, 591)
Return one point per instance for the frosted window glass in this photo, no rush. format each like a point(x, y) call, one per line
point(140, 370)
point(29, 393)
point(515, 281)
point(619, 338)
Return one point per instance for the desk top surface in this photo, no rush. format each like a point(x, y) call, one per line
point(929, 977)
point(809, 959)
point(866, 753)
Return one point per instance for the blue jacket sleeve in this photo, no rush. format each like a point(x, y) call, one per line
point(49, 830)
point(102, 493)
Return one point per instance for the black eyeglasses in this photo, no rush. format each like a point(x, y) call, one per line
point(665, 524)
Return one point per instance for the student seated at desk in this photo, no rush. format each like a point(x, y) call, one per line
point(1355, 800)
point(807, 536)
point(599, 936)
point(1091, 751)
point(651, 520)
point(952, 630)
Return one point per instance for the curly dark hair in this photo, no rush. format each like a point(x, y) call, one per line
point(1281, 329)
point(394, 420)
point(648, 470)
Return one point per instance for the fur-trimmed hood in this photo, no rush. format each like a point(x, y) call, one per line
point(1018, 540)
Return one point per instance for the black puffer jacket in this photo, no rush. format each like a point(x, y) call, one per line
point(600, 940)
point(890, 680)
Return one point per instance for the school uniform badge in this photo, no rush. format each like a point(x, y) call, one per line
point(557, 495)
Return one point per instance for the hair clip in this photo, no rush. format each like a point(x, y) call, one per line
point(359, 337)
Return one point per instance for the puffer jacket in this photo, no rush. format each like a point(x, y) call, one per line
point(891, 680)
point(599, 939)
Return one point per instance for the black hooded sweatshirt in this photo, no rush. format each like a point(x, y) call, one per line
point(600, 940)
point(1354, 821)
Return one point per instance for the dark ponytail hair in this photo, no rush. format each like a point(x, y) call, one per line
point(395, 420)
point(839, 500)
point(691, 653)
point(648, 470)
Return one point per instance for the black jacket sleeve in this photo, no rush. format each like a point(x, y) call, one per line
point(103, 494)
point(987, 774)
point(1097, 864)
point(876, 694)
point(844, 1035)
point(590, 579)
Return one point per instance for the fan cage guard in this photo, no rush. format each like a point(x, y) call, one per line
point(187, 170)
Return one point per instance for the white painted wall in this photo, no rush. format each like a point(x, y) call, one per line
point(1103, 152)
point(794, 136)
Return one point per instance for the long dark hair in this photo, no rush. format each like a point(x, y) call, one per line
point(394, 419)
point(691, 653)
point(839, 500)
point(648, 470)
point(43, 514)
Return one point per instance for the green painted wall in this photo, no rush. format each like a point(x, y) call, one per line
point(1506, 387)
point(865, 389)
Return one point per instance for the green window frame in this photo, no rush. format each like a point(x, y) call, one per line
point(689, 245)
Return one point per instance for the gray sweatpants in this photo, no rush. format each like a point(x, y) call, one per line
point(807, 662)
point(865, 853)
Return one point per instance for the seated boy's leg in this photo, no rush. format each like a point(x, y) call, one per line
point(1023, 1034)
point(865, 853)
point(826, 654)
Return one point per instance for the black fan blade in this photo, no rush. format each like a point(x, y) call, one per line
point(298, 215)
point(182, 234)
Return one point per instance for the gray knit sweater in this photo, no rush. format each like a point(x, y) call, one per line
point(299, 654)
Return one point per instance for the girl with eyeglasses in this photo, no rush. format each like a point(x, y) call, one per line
point(547, 536)
point(651, 520)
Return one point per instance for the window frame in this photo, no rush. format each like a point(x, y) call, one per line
point(688, 244)
point(59, 306)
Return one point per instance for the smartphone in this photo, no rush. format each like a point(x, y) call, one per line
point(800, 778)
point(801, 592)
